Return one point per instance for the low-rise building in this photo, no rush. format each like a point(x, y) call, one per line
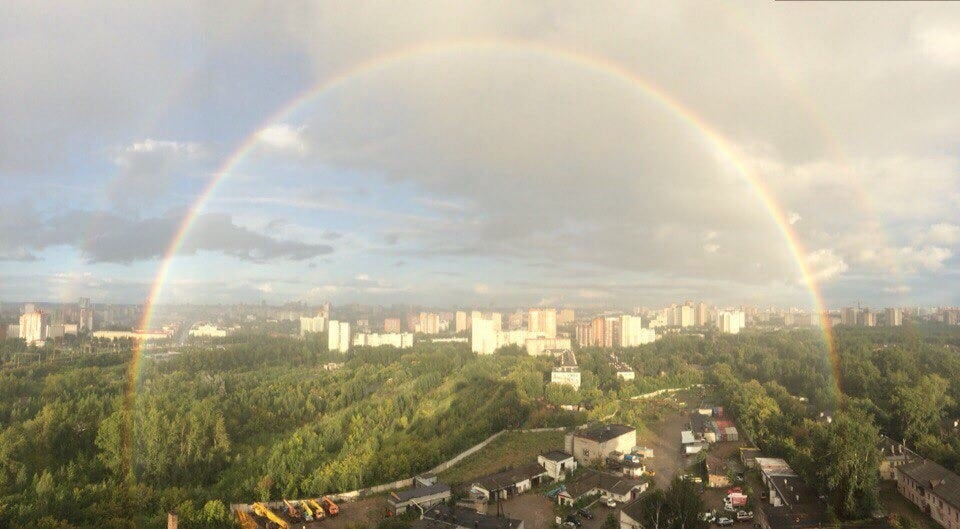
point(632, 513)
point(424, 497)
point(718, 472)
point(445, 517)
point(589, 482)
point(932, 488)
point(509, 482)
point(400, 340)
point(893, 455)
point(598, 442)
point(792, 504)
point(557, 463)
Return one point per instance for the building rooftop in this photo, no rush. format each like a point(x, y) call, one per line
point(557, 455)
point(509, 477)
point(935, 480)
point(802, 507)
point(774, 467)
point(592, 479)
point(418, 492)
point(605, 432)
point(446, 517)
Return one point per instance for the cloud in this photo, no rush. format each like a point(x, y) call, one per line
point(897, 289)
point(147, 168)
point(942, 233)
point(103, 237)
point(283, 137)
point(793, 217)
point(481, 288)
point(825, 265)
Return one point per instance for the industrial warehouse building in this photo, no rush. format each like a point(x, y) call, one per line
point(598, 442)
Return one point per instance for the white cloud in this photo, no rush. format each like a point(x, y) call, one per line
point(711, 247)
point(897, 289)
point(942, 233)
point(481, 288)
point(284, 137)
point(930, 258)
point(793, 217)
point(825, 265)
point(940, 44)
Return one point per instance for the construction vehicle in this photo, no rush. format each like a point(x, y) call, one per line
point(329, 506)
point(262, 510)
point(318, 512)
point(292, 511)
point(246, 521)
point(307, 511)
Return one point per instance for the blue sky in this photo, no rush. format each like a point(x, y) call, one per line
point(483, 174)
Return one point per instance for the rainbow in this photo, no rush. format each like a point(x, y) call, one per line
point(598, 65)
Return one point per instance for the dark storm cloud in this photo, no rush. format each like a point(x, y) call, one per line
point(103, 237)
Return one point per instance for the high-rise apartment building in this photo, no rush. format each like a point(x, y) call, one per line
point(542, 322)
point(868, 318)
point(84, 315)
point(33, 327)
point(730, 322)
point(894, 317)
point(701, 317)
point(428, 323)
point(566, 317)
point(314, 325)
point(460, 323)
point(515, 320)
point(633, 333)
point(584, 333)
point(391, 325)
point(483, 332)
point(338, 336)
point(848, 316)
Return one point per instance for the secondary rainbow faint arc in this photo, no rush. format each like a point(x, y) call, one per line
point(593, 63)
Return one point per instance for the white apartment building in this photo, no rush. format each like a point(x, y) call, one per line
point(33, 327)
point(633, 333)
point(396, 339)
point(460, 319)
point(542, 322)
point(338, 336)
point(314, 325)
point(208, 331)
point(483, 332)
point(428, 323)
point(730, 322)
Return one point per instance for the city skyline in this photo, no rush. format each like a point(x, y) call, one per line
point(481, 156)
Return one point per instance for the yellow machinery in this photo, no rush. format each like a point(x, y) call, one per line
point(246, 521)
point(307, 512)
point(262, 510)
point(317, 509)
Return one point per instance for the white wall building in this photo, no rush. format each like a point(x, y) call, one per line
point(338, 336)
point(314, 325)
point(208, 331)
point(484, 331)
point(33, 327)
point(633, 333)
point(396, 339)
point(542, 322)
point(730, 322)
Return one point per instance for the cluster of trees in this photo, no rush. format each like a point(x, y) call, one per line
point(262, 419)
point(258, 417)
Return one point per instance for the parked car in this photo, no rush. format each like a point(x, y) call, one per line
point(572, 518)
point(610, 502)
point(707, 517)
point(723, 521)
point(585, 513)
point(743, 516)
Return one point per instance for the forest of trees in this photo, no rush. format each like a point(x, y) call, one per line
point(262, 418)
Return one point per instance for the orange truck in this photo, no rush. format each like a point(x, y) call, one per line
point(329, 506)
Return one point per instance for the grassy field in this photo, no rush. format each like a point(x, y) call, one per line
point(508, 450)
